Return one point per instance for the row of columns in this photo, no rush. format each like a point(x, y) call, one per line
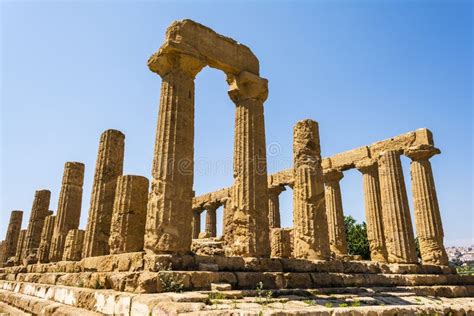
point(389, 226)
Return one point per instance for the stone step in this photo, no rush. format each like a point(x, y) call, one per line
point(139, 261)
point(164, 281)
point(38, 306)
point(54, 300)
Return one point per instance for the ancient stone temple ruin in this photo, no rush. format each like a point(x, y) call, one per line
point(143, 237)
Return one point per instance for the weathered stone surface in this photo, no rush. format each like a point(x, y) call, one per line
point(310, 223)
point(373, 210)
point(429, 227)
point(211, 218)
point(196, 223)
point(168, 224)
point(335, 213)
point(73, 245)
point(129, 215)
point(69, 207)
point(46, 235)
point(249, 204)
point(109, 166)
point(399, 236)
point(281, 242)
point(20, 246)
point(208, 247)
point(11, 238)
point(274, 205)
point(39, 211)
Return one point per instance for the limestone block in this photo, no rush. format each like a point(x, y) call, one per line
point(73, 245)
point(46, 235)
point(39, 211)
point(191, 38)
point(109, 166)
point(281, 242)
point(69, 207)
point(11, 238)
point(129, 215)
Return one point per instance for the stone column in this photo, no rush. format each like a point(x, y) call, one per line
point(46, 235)
point(310, 230)
point(397, 224)
point(73, 245)
point(13, 232)
point(196, 223)
point(39, 211)
point(69, 207)
point(169, 214)
point(373, 210)
point(429, 227)
point(281, 242)
point(109, 166)
point(335, 213)
point(20, 247)
point(274, 206)
point(250, 232)
point(3, 245)
point(211, 221)
point(128, 221)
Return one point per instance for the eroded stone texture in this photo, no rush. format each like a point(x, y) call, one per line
point(196, 223)
point(73, 245)
point(20, 247)
point(46, 235)
point(129, 215)
point(69, 207)
point(168, 224)
point(429, 227)
point(211, 218)
point(2, 252)
point(250, 230)
point(281, 242)
point(335, 213)
point(373, 209)
point(274, 205)
point(39, 211)
point(399, 237)
point(310, 225)
point(11, 238)
point(109, 166)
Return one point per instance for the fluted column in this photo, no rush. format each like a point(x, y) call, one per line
point(335, 213)
point(109, 166)
point(169, 211)
point(128, 220)
point(429, 227)
point(373, 210)
point(11, 238)
point(310, 226)
point(274, 206)
point(69, 207)
point(211, 218)
point(39, 211)
point(250, 232)
point(399, 237)
point(20, 247)
point(196, 223)
point(46, 235)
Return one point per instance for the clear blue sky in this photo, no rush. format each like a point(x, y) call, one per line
point(365, 71)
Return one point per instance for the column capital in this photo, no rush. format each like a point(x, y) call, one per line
point(275, 189)
point(211, 205)
point(366, 165)
point(167, 60)
point(421, 152)
point(246, 86)
point(332, 175)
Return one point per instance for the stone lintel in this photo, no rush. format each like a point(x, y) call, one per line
point(204, 44)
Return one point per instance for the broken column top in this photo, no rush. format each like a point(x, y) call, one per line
point(73, 173)
point(190, 38)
